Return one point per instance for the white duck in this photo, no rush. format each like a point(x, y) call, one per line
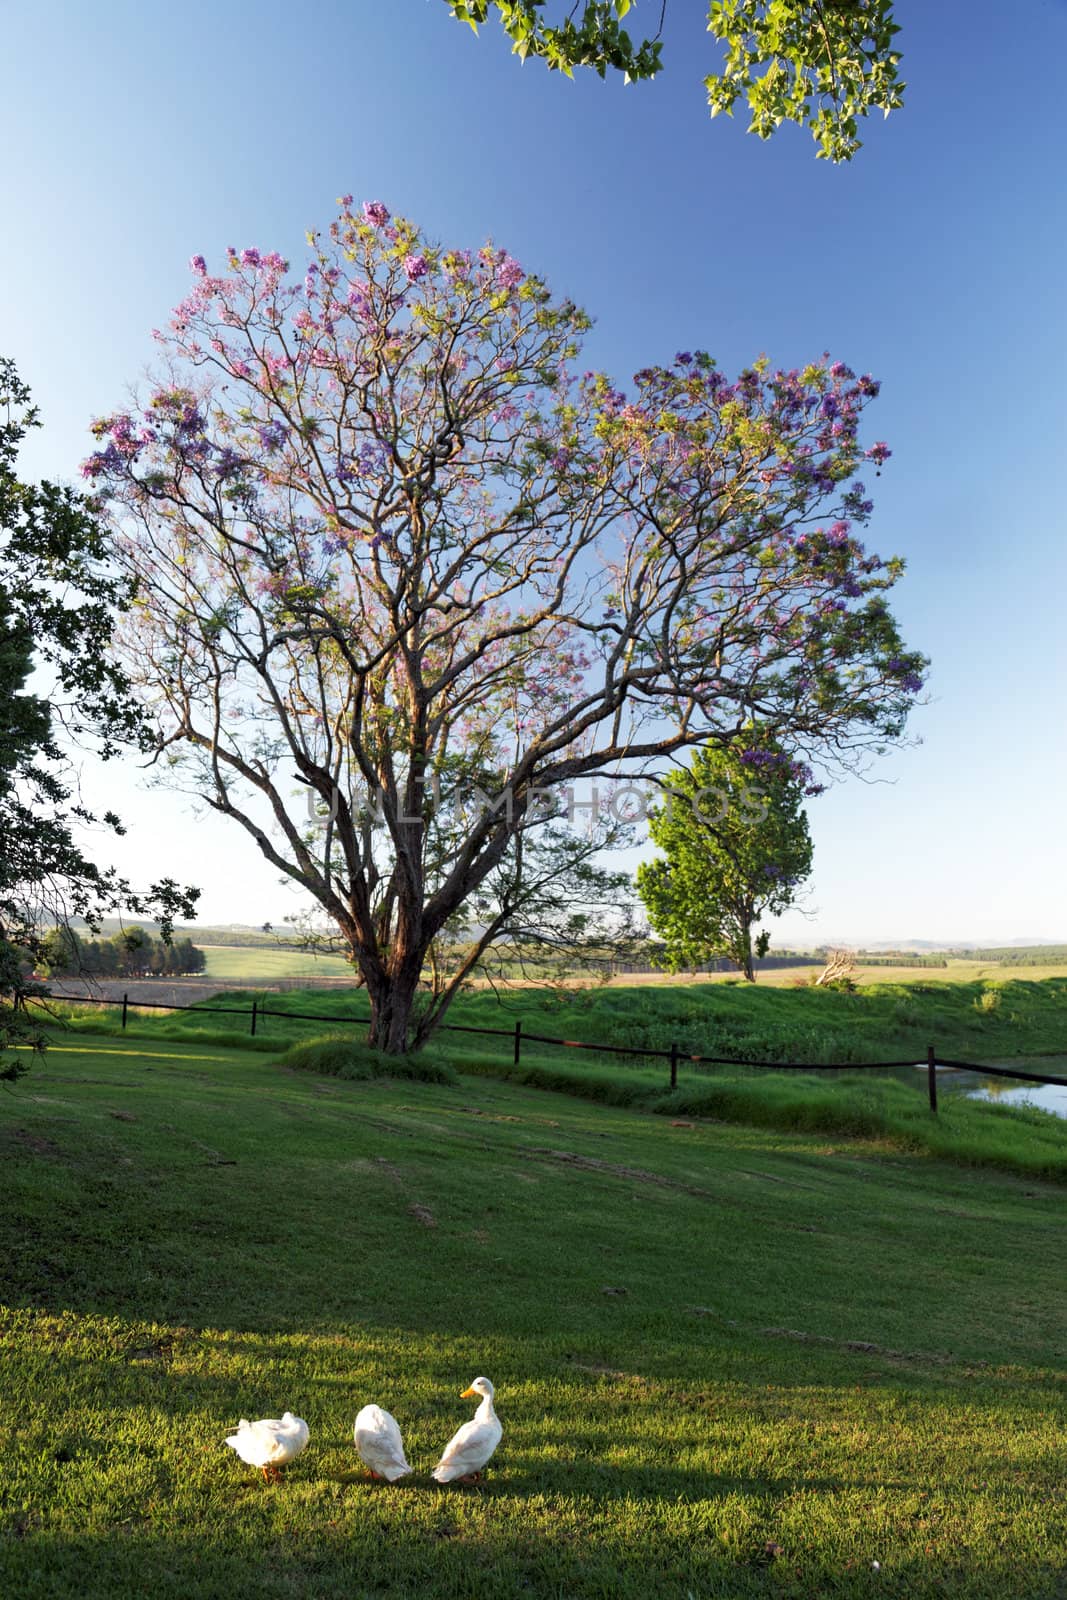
point(467, 1452)
point(270, 1443)
point(380, 1445)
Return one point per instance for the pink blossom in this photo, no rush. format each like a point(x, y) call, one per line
point(509, 273)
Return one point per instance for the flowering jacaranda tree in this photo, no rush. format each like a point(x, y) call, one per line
point(393, 551)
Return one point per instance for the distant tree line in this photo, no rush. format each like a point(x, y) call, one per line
point(264, 934)
point(132, 953)
point(1038, 955)
point(647, 960)
point(898, 958)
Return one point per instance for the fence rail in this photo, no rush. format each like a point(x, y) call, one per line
point(258, 1011)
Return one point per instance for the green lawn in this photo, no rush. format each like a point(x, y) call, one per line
point(804, 1025)
point(729, 1361)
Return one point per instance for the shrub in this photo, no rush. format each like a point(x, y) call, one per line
point(340, 1056)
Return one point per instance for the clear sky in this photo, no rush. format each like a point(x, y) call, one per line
point(141, 134)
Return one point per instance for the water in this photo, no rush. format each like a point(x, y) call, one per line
point(1008, 1091)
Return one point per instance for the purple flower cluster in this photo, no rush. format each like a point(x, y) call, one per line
point(509, 274)
point(416, 267)
point(107, 461)
point(765, 760)
point(272, 435)
point(123, 444)
point(191, 420)
point(905, 673)
point(375, 213)
point(776, 763)
point(229, 463)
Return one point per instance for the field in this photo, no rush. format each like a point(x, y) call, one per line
point(730, 1362)
point(956, 970)
point(266, 960)
point(262, 963)
point(977, 1023)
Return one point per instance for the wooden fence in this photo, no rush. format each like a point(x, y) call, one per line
point(259, 1011)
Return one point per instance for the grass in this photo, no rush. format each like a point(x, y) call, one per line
point(730, 1361)
point(340, 1056)
point(975, 1019)
point(885, 1021)
point(877, 1023)
point(262, 963)
point(783, 1025)
point(958, 969)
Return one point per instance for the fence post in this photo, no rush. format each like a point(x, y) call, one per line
point(518, 1041)
point(253, 1018)
point(931, 1077)
point(125, 1004)
point(674, 1066)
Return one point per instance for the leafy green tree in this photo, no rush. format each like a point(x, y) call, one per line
point(58, 601)
point(23, 727)
point(821, 63)
point(736, 848)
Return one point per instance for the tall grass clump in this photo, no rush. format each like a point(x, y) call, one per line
point(338, 1056)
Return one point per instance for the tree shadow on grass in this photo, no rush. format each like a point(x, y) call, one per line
point(445, 1559)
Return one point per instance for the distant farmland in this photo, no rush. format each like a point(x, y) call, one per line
point(270, 961)
point(266, 962)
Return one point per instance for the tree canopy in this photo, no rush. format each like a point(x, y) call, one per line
point(58, 601)
point(736, 848)
point(824, 64)
point(407, 579)
point(132, 953)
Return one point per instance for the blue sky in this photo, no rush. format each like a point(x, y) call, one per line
point(140, 135)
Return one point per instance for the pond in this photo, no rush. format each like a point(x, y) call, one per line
point(1009, 1091)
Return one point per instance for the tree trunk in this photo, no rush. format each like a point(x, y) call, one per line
point(392, 1004)
point(746, 951)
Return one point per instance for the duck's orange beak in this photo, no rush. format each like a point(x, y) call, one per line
point(468, 1394)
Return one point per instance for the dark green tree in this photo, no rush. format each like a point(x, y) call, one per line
point(58, 602)
point(736, 848)
point(821, 63)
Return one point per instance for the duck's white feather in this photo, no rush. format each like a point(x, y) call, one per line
point(379, 1443)
point(472, 1445)
point(468, 1450)
point(270, 1442)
